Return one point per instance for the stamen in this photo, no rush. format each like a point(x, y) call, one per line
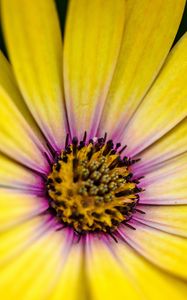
point(113, 236)
point(128, 225)
point(85, 136)
point(105, 137)
point(124, 147)
point(67, 139)
point(140, 211)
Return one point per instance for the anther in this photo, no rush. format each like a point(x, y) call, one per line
point(58, 166)
point(58, 179)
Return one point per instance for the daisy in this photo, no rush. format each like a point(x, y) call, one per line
point(93, 151)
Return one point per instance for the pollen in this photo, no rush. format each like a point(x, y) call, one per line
point(91, 187)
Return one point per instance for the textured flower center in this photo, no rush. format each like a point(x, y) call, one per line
point(91, 188)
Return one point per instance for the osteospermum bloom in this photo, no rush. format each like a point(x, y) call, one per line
point(93, 147)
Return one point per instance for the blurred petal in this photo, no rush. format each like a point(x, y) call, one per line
point(15, 239)
point(70, 284)
point(164, 106)
point(17, 206)
point(170, 145)
point(106, 278)
point(92, 43)
point(18, 139)
point(154, 283)
point(149, 33)
point(34, 44)
point(167, 184)
point(116, 271)
point(164, 250)
point(172, 219)
point(14, 175)
point(35, 269)
point(31, 250)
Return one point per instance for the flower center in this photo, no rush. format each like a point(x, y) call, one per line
point(91, 188)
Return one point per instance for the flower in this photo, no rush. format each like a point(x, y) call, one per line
point(59, 170)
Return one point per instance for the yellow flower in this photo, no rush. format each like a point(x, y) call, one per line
point(82, 216)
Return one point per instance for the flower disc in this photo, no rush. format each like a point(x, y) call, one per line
point(90, 187)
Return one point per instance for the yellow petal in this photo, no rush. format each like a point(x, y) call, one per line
point(70, 284)
point(33, 273)
point(170, 145)
point(13, 174)
point(153, 282)
point(16, 207)
point(8, 83)
point(34, 44)
point(92, 42)
point(169, 218)
point(17, 138)
point(107, 264)
point(107, 280)
point(16, 238)
point(164, 106)
point(167, 184)
point(164, 250)
point(149, 33)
